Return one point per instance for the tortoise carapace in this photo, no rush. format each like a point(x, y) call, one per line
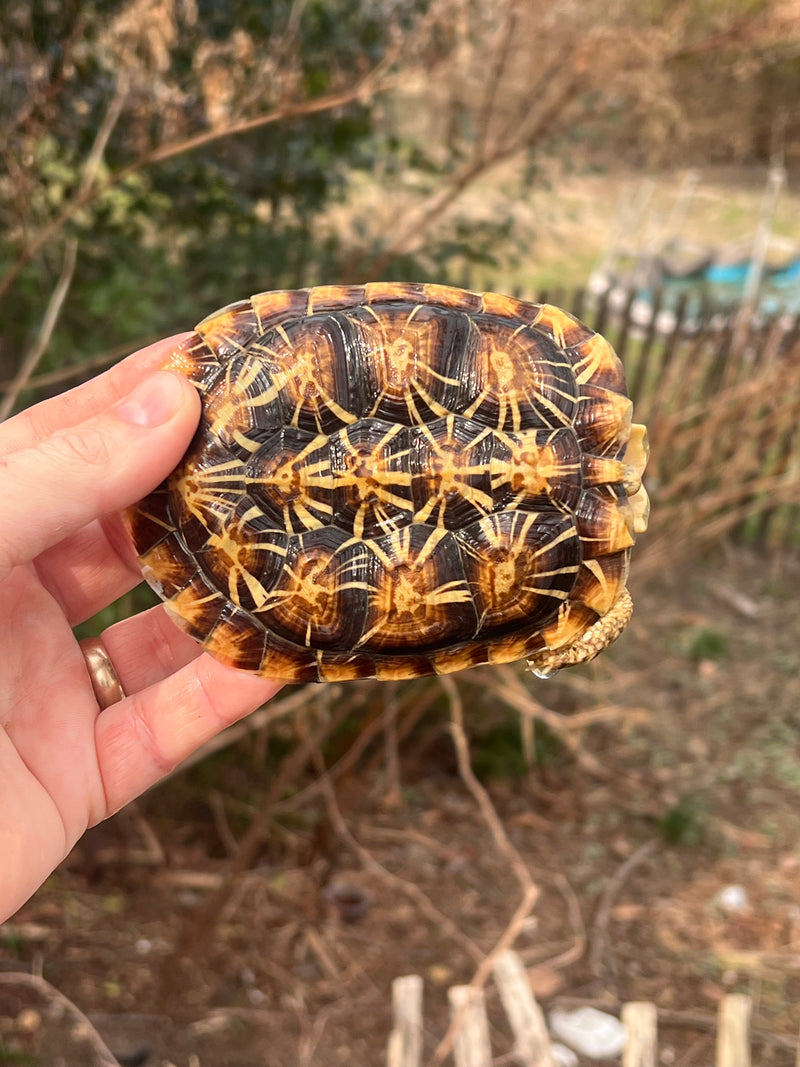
point(393, 480)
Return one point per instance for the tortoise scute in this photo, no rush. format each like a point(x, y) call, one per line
point(392, 480)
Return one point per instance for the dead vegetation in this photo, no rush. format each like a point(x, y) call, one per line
point(729, 461)
point(256, 907)
point(653, 778)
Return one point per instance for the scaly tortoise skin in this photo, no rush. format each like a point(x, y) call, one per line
point(393, 480)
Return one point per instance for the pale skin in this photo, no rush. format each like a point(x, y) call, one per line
point(68, 467)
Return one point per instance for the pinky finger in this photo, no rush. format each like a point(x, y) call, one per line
point(141, 739)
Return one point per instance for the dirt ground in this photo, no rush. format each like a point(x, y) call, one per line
point(666, 771)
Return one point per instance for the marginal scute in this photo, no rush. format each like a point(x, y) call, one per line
point(231, 330)
point(333, 298)
point(509, 308)
point(282, 305)
point(411, 293)
point(461, 657)
point(605, 519)
point(395, 479)
point(604, 470)
point(640, 506)
point(637, 452)
point(450, 297)
point(603, 420)
point(595, 361)
point(565, 330)
point(168, 567)
point(195, 360)
point(569, 626)
point(591, 637)
point(149, 521)
point(237, 640)
point(197, 606)
point(599, 581)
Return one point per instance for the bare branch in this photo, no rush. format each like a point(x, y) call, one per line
point(482, 799)
point(411, 231)
point(106, 128)
point(498, 67)
point(374, 82)
point(409, 889)
point(600, 925)
point(530, 891)
point(49, 321)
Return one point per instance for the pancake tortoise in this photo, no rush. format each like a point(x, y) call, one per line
point(393, 480)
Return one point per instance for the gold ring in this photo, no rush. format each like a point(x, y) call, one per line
point(104, 678)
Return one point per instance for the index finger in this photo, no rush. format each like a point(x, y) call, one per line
point(75, 406)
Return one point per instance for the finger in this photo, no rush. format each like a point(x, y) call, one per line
point(77, 405)
point(47, 708)
point(89, 570)
point(145, 736)
point(32, 832)
point(147, 648)
point(96, 467)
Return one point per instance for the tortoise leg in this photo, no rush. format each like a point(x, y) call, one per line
point(593, 641)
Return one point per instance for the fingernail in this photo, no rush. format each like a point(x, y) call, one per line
point(153, 401)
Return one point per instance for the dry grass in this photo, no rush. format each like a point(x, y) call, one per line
point(725, 444)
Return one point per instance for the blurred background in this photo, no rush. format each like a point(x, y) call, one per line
point(635, 162)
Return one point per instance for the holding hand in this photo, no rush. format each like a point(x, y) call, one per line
point(68, 467)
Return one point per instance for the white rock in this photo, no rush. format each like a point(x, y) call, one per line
point(732, 899)
point(563, 1056)
point(589, 1031)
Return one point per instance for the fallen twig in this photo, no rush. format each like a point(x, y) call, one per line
point(600, 925)
point(55, 996)
point(409, 889)
point(530, 891)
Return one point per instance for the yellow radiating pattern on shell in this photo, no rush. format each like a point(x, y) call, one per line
point(393, 479)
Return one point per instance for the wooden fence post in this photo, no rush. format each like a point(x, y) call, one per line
point(733, 1031)
point(471, 1047)
point(524, 1014)
point(641, 1020)
point(405, 1040)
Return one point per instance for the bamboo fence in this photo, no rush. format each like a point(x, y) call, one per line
point(719, 390)
point(470, 1030)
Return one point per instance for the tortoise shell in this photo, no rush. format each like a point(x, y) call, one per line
point(393, 480)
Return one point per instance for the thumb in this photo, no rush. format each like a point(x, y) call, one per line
point(99, 466)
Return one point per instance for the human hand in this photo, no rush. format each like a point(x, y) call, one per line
point(67, 468)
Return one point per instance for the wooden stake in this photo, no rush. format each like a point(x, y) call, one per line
point(524, 1014)
point(405, 1040)
point(641, 1020)
point(472, 1047)
point(733, 1031)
